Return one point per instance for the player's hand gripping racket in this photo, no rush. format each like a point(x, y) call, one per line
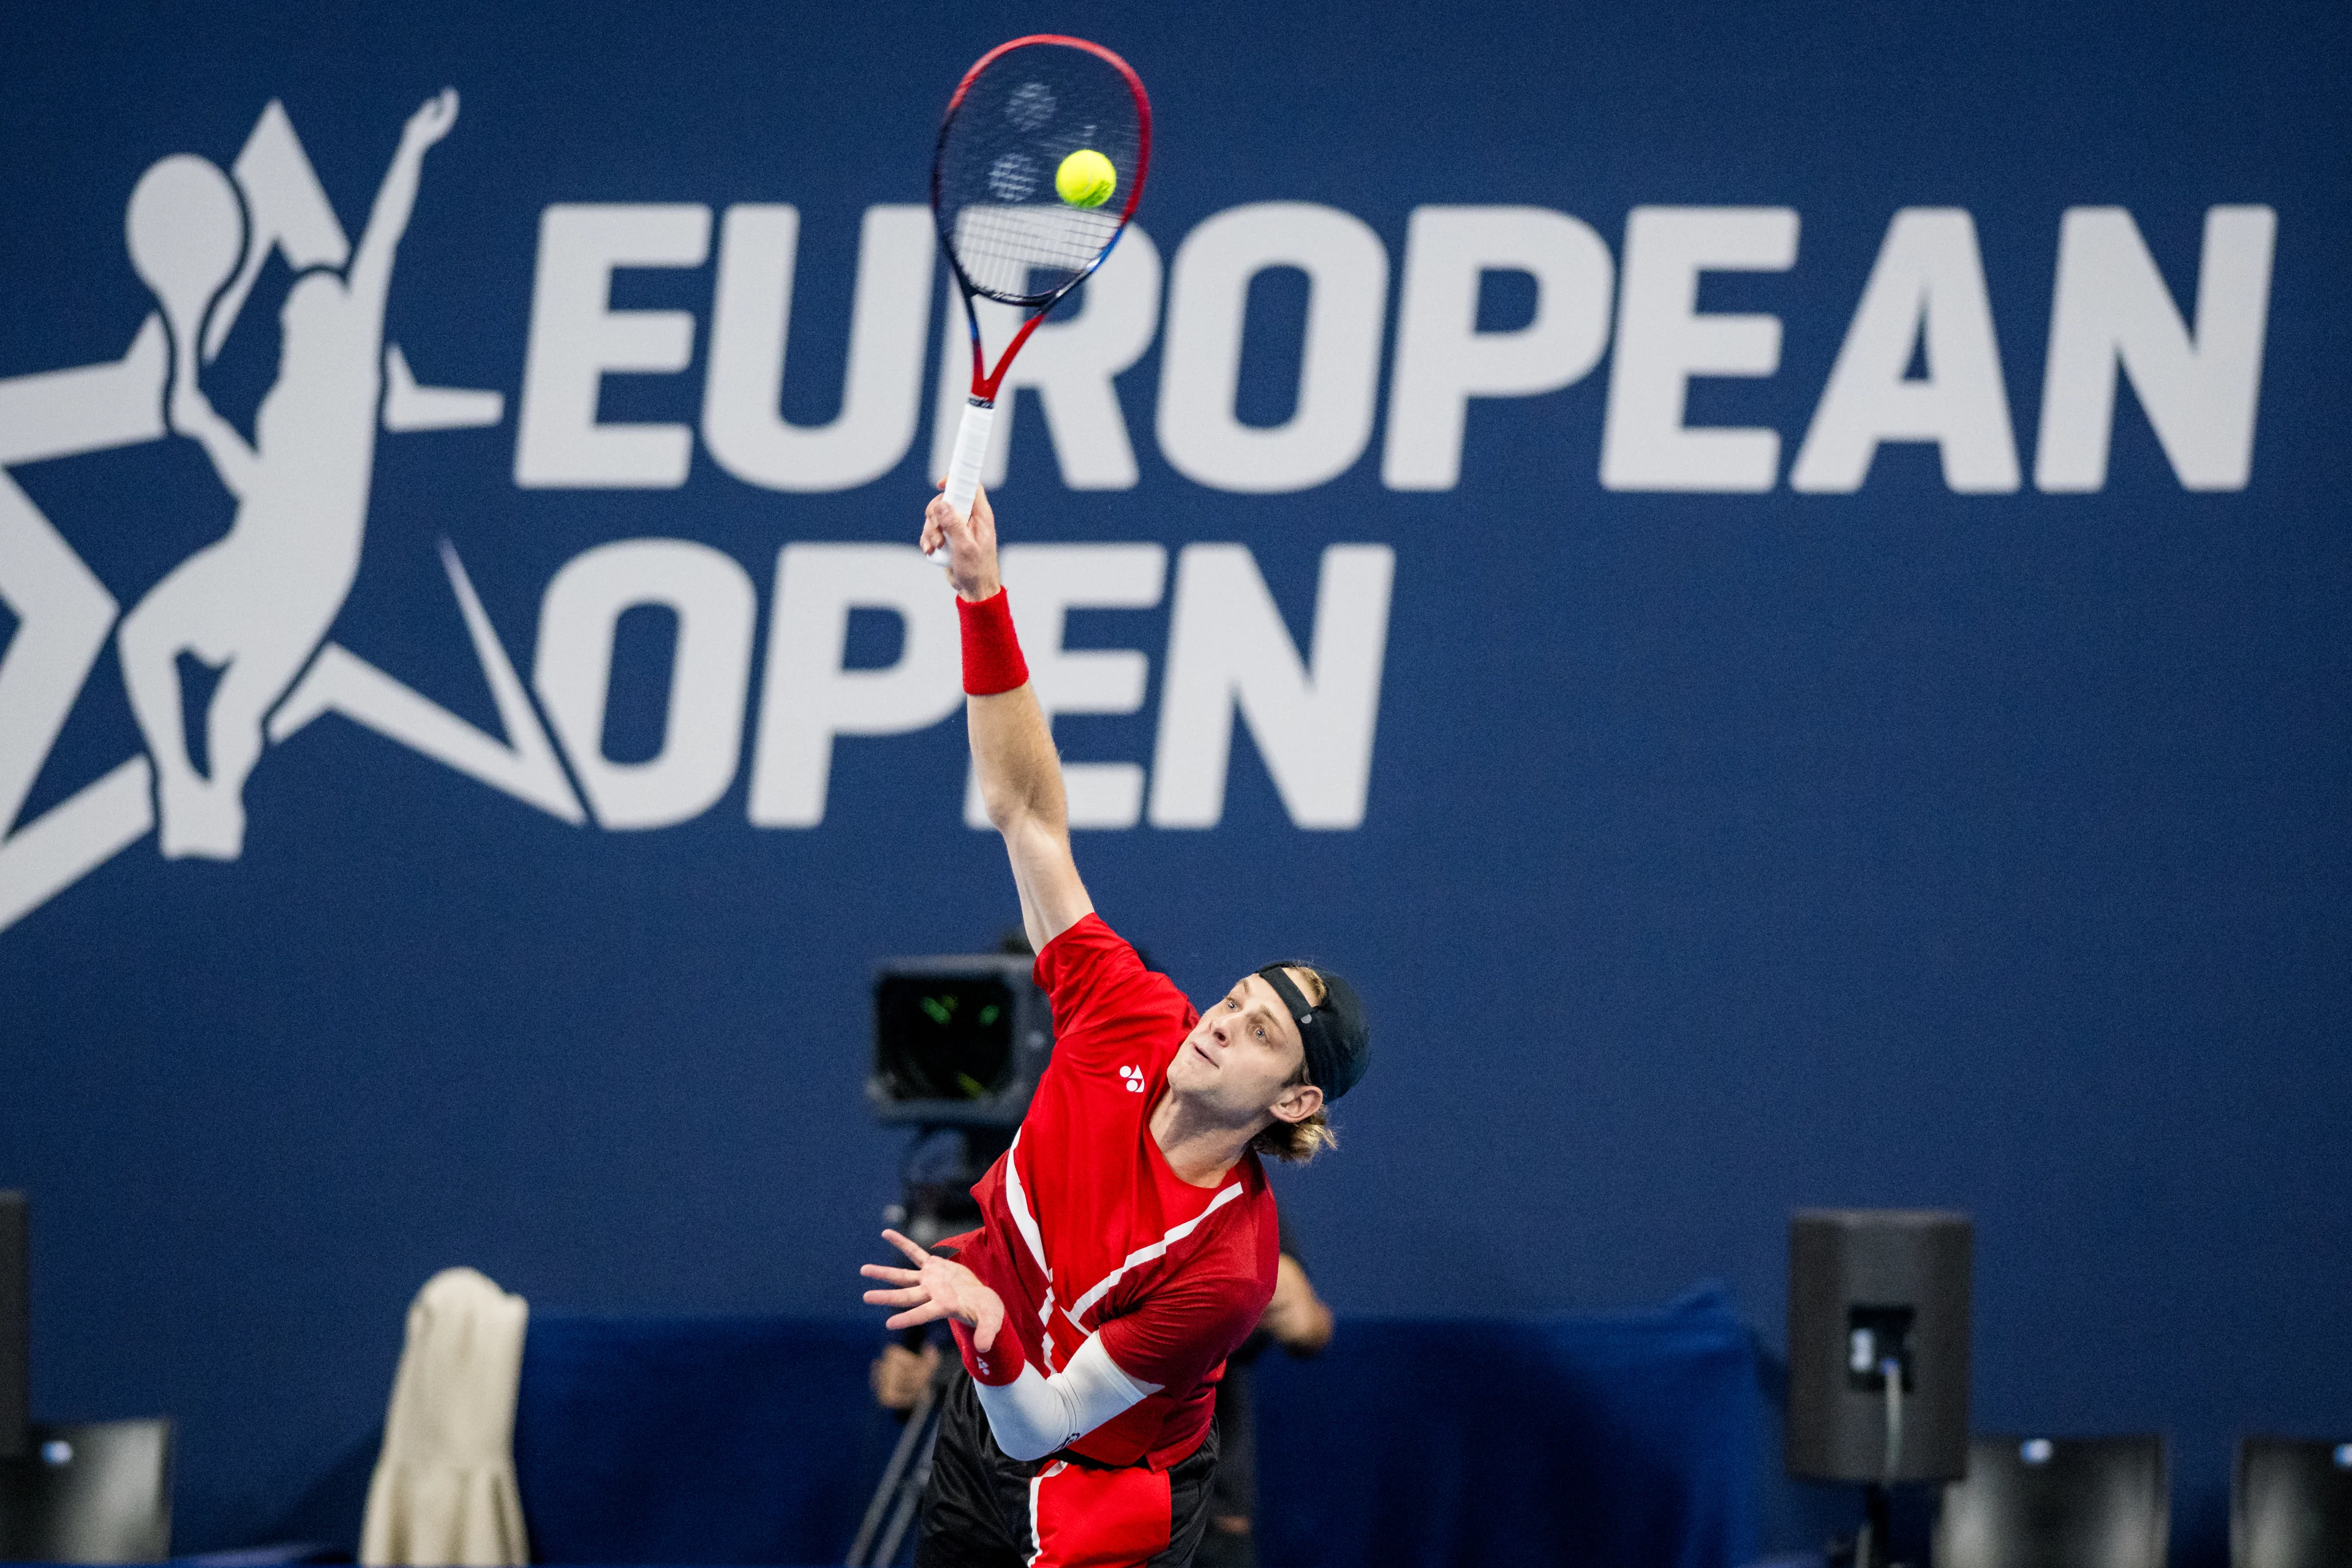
point(1040, 165)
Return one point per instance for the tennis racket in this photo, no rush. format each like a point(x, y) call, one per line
point(1020, 204)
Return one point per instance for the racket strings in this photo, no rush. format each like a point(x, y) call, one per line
point(1009, 232)
point(1024, 251)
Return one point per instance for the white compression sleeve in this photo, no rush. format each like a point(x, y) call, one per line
point(1034, 1415)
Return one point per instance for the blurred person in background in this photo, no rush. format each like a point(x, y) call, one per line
point(1299, 1321)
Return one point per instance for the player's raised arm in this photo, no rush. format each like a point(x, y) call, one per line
point(370, 274)
point(1012, 745)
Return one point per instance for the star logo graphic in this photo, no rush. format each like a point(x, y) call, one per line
point(258, 603)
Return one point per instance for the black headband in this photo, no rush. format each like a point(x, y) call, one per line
point(1333, 1034)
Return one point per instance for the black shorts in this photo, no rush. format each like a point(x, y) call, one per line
point(984, 1509)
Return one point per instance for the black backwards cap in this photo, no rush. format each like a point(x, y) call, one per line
point(1337, 1035)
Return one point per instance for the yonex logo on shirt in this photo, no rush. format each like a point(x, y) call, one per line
point(1133, 1077)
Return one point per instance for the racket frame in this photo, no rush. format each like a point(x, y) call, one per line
point(980, 408)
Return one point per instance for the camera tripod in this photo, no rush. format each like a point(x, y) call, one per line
point(937, 1178)
point(907, 1473)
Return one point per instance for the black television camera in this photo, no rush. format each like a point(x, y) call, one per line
point(960, 1043)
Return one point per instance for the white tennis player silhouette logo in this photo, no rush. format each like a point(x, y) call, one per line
point(258, 602)
point(257, 605)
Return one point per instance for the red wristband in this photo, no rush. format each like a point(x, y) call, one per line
point(991, 653)
point(1000, 1365)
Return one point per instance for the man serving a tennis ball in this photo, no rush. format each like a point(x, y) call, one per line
point(1129, 1241)
point(1086, 178)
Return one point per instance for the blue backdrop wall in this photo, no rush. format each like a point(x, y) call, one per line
point(1800, 658)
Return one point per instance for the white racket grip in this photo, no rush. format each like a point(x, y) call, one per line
point(965, 466)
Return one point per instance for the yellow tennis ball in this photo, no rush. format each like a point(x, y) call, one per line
point(1086, 178)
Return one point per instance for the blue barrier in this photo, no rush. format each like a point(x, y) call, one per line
point(1569, 1439)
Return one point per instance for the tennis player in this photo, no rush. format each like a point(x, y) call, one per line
point(1130, 1241)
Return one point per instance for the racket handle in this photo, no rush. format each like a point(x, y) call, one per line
point(965, 466)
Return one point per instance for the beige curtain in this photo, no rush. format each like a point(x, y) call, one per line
point(444, 1494)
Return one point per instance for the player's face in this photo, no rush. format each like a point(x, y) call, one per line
point(1241, 1055)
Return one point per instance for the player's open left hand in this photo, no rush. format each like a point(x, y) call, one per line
point(935, 1288)
point(970, 541)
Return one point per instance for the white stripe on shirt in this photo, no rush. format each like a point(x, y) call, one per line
point(1086, 1303)
point(1023, 1220)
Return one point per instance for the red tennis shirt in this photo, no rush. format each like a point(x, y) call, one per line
point(1086, 1230)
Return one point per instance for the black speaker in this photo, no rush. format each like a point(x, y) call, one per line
point(15, 1328)
point(1878, 1296)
